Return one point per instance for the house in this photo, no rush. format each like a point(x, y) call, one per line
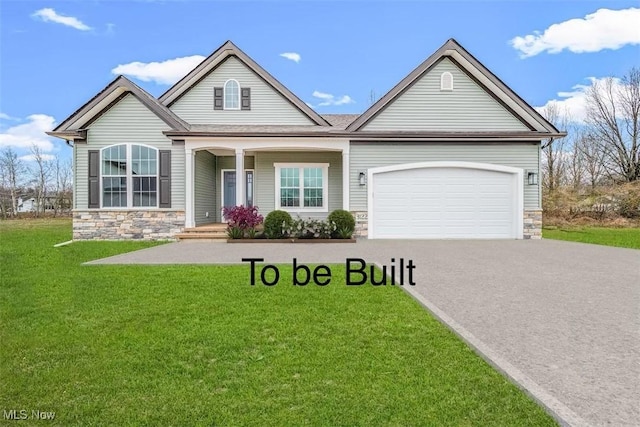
point(30, 204)
point(449, 152)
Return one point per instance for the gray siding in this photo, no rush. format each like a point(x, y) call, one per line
point(265, 178)
point(227, 162)
point(362, 157)
point(425, 107)
point(128, 121)
point(267, 106)
point(205, 187)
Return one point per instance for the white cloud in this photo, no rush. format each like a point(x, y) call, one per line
point(32, 157)
point(574, 102)
point(49, 15)
point(25, 135)
point(165, 72)
point(329, 99)
point(295, 57)
point(4, 116)
point(603, 29)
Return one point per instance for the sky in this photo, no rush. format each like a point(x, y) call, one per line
point(334, 55)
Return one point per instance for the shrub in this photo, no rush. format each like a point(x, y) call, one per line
point(276, 224)
point(344, 222)
point(241, 219)
point(310, 229)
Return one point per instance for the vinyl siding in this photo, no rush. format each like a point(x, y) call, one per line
point(265, 178)
point(425, 107)
point(366, 156)
point(205, 187)
point(227, 162)
point(267, 105)
point(128, 121)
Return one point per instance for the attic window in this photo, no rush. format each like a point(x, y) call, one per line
point(231, 96)
point(446, 81)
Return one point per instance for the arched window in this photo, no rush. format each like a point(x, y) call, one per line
point(446, 81)
point(129, 176)
point(231, 95)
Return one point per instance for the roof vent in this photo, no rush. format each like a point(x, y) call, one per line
point(446, 81)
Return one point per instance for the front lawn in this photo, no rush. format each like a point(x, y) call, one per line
point(196, 345)
point(622, 237)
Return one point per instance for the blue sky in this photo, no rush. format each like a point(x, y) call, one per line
point(56, 55)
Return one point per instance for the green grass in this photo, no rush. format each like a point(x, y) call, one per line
point(622, 237)
point(196, 345)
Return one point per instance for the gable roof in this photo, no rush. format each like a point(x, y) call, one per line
point(218, 57)
point(72, 127)
point(479, 72)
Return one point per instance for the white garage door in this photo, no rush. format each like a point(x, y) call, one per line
point(444, 200)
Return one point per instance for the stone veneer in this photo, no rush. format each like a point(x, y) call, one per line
point(98, 224)
point(532, 224)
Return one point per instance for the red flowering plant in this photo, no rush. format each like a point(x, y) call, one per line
point(242, 220)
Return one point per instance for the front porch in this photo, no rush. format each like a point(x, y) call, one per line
point(253, 173)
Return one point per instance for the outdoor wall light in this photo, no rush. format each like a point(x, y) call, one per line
point(362, 179)
point(532, 178)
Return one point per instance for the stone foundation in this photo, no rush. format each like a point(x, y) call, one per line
point(362, 224)
point(127, 224)
point(532, 224)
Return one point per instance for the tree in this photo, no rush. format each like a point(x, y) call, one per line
point(553, 150)
point(12, 170)
point(61, 188)
point(40, 172)
point(613, 113)
point(592, 159)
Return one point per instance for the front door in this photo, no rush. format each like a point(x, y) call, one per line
point(229, 188)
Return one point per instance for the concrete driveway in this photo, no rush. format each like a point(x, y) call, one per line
point(561, 319)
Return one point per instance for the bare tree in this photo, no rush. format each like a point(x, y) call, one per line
point(40, 171)
point(613, 114)
point(553, 150)
point(62, 177)
point(593, 161)
point(12, 170)
point(575, 165)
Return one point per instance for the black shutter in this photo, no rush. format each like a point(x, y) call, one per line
point(245, 98)
point(217, 98)
point(165, 179)
point(94, 179)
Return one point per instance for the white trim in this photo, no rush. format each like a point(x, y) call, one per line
point(302, 165)
point(128, 177)
point(253, 186)
point(444, 88)
point(518, 177)
point(224, 95)
point(346, 172)
point(189, 205)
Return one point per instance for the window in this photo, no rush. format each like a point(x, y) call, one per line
point(446, 81)
point(129, 176)
point(302, 187)
point(231, 95)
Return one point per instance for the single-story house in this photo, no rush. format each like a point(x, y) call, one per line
point(449, 152)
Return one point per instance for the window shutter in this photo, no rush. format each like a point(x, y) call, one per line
point(217, 98)
point(165, 179)
point(94, 179)
point(246, 98)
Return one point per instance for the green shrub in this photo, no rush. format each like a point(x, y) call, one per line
point(310, 229)
point(344, 222)
point(276, 223)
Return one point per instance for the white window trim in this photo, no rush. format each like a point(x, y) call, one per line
point(129, 179)
point(442, 86)
point(224, 95)
point(301, 166)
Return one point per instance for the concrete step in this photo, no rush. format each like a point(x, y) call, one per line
point(203, 235)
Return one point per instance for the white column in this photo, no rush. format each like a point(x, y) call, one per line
point(240, 177)
point(189, 155)
point(345, 179)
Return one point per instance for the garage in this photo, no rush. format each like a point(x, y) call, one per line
point(445, 200)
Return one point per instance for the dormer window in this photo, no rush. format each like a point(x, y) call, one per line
point(231, 96)
point(446, 81)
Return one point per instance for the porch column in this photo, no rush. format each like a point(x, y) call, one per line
point(240, 177)
point(345, 179)
point(189, 155)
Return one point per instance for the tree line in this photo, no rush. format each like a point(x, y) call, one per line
point(45, 178)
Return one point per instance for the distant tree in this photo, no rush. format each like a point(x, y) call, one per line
point(592, 159)
point(613, 114)
point(553, 150)
point(12, 171)
point(62, 176)
point(40, 173)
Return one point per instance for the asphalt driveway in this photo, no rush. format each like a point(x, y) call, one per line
point(561, 319)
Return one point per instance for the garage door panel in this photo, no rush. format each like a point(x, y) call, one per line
point(441, 203)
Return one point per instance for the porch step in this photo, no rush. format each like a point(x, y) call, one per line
point(209, 231)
